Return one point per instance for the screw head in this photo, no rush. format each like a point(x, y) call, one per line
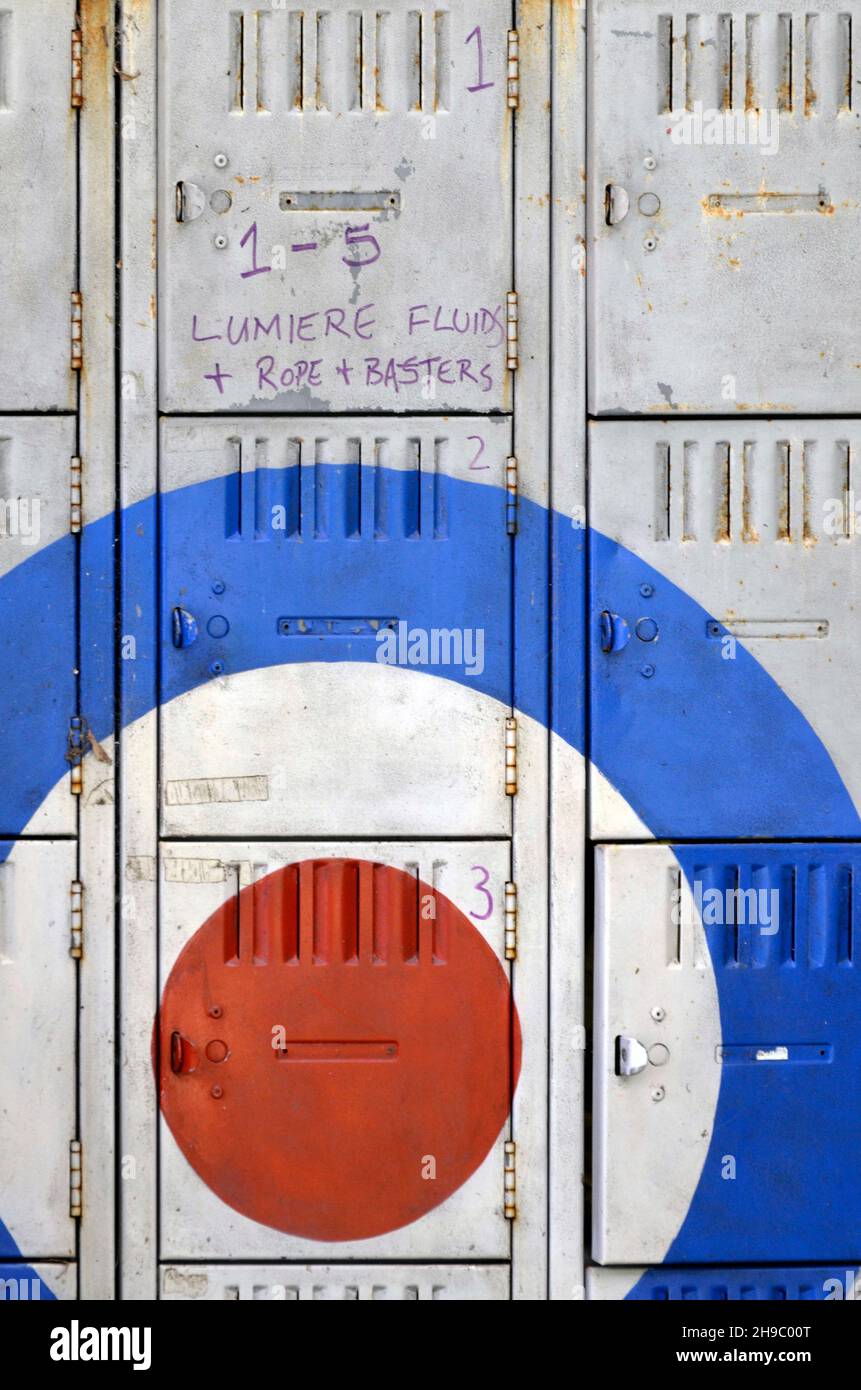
point(658, 1014)
point(650, 243)
point(658, 1093)
point(646, 590)
point(220, 160)
point(216, 1011)
point(217, 1092)
point(220, 242)
point(647, 671)
point(216, 668)
point(650, 162)
point(218, 587)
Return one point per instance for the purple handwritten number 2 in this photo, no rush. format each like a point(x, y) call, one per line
point(480, 85)
point(255, 268)
point(484, 877)
point(475, 466)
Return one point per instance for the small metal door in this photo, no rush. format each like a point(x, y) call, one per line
point(726, 1054)
point(771, 1284)
point(336, 627)
point(337, 1049)
point(723, 210)
point(724, 580)
point(335, 1283)
point(38, 1030)
point(336, 225)
point(37, 277)
point(37, 634)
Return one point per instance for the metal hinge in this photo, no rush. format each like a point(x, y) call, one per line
point(513, 70)
point(76, 746)
point(509, 1190)
point(77, 330)
point(75, 495)
point(510, 757)
point(511, 921)
point(76, 942)
point(76, 1196)
point(511, 495)
point(512, 331)
point(77, 68)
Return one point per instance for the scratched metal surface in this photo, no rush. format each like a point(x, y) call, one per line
point(197, 877)
point(333, 1283)
point(347, 180)
point(37, 271)
point(757, 523)
point(730, 296)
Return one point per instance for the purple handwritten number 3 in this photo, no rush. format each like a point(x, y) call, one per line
point(483, 878)
point(480, 85)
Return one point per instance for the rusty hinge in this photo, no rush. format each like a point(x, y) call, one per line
point(512, 331)
point(76, 1196)
point(509, 1191)
point(76, 746)
point(75, 495)
point(513, 70)
point(76, 943)
point(77, 68)
point(77, 322)
point(511, 921)
point(510, 757)
point(511, 495)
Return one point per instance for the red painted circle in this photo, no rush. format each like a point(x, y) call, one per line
point(372, 1048)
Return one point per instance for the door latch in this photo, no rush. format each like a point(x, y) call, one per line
point(615, 633)
point(616, 204)
point(631, 1056)
point(183, 628)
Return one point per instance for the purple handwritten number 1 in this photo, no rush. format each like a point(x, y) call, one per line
point(480, 85)
point(255, 268)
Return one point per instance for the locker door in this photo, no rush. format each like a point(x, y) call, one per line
point(37, 276)
point(725, 574)
point(726, 1054)
point(37, 1030)
point(37, 633)
point(813, 1284)
point(337, 1050)
point(328, 1283)
point(336, 627)
point(723, 213)
point(336, 207)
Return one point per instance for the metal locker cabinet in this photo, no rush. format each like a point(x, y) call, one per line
point(38, 125)
point(772, 1284)
point(292, 550)
point(326, 1283)
point(726, 1054)
point(336, 233)
point(37, 606)
point(719, 271)
point(724, 580)
point(376, 1128)
point(37, 1030)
